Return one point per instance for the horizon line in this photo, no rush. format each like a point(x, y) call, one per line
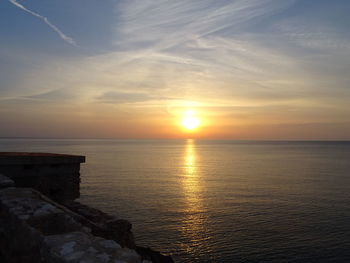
point(202, 139)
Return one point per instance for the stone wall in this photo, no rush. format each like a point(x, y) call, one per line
point(55, 175)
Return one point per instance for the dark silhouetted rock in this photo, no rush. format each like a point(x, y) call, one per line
point(46, 225)
point(35, 230)
point(153, 256)
point(6, 182)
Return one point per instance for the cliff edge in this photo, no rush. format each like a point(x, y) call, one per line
point(40, 221)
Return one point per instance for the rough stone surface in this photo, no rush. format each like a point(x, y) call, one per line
point(150, 255)
point(105, 225)
point(34, 230)
point(37, 229)
point(81, 247)
point(6, 182)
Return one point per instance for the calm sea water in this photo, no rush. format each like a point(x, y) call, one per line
point(220, 201)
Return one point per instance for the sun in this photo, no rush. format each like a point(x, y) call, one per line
point(190, 121)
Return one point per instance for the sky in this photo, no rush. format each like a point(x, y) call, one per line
point(247, 69)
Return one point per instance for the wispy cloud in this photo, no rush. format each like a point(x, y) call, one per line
point(116, 97)
point(46, 20)
point(207, 50)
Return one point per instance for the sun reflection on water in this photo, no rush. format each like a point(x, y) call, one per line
point(190, 159)
point(193, 228)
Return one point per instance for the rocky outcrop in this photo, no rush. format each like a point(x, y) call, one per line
point(6, 182)
point(36, 228)
point(105, 225)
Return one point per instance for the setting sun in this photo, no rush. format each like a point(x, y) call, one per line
point(190, 122)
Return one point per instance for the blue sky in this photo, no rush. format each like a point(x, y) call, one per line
point(252, 69)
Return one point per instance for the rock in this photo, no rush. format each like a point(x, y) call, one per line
point(148, 254)
point(120, 231)
point(38, 231)
point(106, 226)
point(46, 225)
point(6, 182)
point(82, 247)
point(93, 214)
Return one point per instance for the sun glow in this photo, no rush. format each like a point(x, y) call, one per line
point(190, 121)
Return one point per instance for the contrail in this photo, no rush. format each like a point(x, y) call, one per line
point(55, 28)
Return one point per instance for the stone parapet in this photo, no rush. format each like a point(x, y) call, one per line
point(16, 158)
point(55, 175)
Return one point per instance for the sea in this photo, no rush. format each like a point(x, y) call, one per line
point(219, 200)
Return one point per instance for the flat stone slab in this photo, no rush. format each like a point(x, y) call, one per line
point(82, 247)
point(20, 158)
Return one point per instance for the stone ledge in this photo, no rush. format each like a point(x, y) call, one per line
point(27, 158)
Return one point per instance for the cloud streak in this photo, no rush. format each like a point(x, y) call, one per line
point(63, 36)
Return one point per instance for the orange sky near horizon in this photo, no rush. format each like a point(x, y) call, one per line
point(159, 123)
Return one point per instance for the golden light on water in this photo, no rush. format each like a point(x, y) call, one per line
point(193, 223)
point(190, 159)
